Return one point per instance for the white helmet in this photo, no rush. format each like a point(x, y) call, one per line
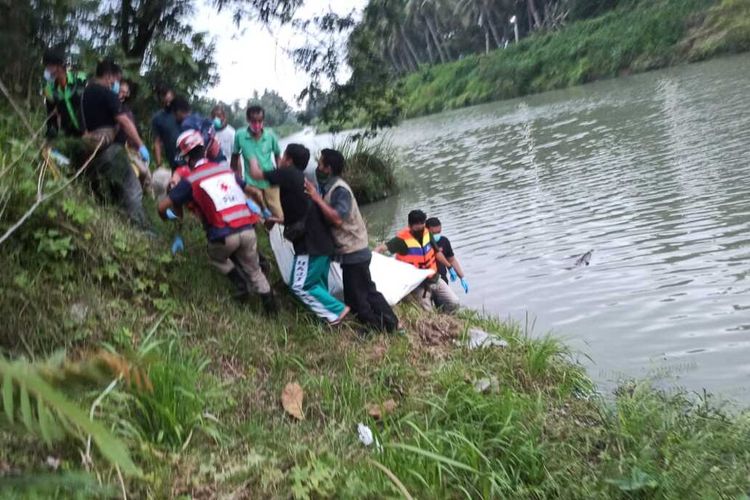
point(188, 141)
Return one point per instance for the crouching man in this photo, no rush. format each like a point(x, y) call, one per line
point(220, 202)
point(416, 246)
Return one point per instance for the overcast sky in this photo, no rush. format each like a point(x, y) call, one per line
point(253, 57)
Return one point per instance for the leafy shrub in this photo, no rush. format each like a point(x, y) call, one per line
point(179, 403)
point(370, 167)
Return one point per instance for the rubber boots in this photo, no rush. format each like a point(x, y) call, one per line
point(240, 284)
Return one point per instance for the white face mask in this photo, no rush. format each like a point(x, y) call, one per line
point(48, 75)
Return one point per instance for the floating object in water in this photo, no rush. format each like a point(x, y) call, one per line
point(584, 259)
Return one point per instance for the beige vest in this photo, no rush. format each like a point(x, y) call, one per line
point(352, 235)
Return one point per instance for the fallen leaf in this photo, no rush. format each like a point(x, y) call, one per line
point(291, 400)
point(378, 411)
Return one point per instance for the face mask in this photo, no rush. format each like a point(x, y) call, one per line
point(256, 128)
point(322, 177)
point(116, 87)
point(217, 124)
point(437, 237)
point(48, 76)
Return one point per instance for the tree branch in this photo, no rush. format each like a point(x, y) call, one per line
point(42, 198)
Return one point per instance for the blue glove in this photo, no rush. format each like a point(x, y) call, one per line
point(143, 151)
point(266, 213)
point(177, 245)
point(465, 285)
point(453, 274)
point(170, 214)
point(254, 208)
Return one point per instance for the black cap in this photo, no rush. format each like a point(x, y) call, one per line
point(53, 56)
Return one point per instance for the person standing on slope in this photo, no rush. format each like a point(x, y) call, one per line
point(224, 131)
point(257, 142)
point(340, 209)
point(220, 201)
point(305, 229)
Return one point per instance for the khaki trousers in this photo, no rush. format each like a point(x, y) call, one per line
point(430, 295)
point(272, 197)
point(242, 248)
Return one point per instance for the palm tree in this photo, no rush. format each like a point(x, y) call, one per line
point(426, 11)
point(484, 12)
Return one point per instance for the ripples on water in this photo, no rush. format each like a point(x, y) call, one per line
point(651, 172)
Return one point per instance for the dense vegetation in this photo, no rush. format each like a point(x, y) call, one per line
point(184, 387)
point(624, 41)
point(416, 57)
point(153, 40)
point(125, 370)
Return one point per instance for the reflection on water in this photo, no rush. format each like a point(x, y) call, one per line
point(651, 172)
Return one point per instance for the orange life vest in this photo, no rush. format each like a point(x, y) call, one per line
point(420, 254)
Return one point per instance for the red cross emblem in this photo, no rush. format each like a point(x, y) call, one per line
point(224, 187)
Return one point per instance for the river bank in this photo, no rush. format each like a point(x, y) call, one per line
point(520, 421)
point(630, 39)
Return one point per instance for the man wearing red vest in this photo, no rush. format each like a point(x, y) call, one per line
point(415, 245)
point(220, 202)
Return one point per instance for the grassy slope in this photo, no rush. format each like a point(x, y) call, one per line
point(652, 35)
point(76, 277)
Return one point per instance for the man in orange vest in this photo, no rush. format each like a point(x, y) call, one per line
point(219, 200)
point(415, 245)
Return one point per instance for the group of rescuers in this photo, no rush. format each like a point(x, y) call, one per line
point(233, 181)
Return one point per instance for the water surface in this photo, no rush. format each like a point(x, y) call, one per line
point(651, 172)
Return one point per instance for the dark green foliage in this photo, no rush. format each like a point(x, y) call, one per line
point(622, 41)
point(585, 9)
point(725, 29)
point(31, 403)
point(370, 167)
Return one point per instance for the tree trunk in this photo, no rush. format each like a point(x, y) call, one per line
point(438, 45)
point(406, 63)
point(493, 28)
point(124, 23)
point(394, 61)
point(427, 43)
point(410, 46)
point(534, 13)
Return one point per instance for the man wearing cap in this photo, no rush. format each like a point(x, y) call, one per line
point(220, 202)
point(62, 96)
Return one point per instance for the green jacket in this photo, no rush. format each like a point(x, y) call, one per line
point(64, 105)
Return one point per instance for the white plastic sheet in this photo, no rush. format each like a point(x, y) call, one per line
point(394, 279)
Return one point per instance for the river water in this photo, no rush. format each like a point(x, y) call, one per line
point(651, 172)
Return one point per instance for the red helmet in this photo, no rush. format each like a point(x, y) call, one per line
point(189, 140)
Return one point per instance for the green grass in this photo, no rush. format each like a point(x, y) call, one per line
point(78, 278)
point(634, 38)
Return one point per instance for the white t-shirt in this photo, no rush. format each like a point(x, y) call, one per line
point(226, 140)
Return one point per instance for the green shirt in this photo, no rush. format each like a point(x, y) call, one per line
point(264, 150)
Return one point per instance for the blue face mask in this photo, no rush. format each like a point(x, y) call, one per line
point(116, 87)
point(217, 124)
point(437, 237)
